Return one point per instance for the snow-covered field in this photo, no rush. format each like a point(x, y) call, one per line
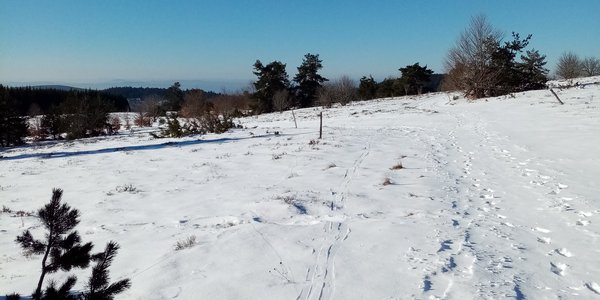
point(497, 198)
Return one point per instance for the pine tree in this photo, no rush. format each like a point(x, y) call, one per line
point(309, 80)
point(367, 88)
point(99, 287)
point(413, 78)
point(174, 96)
point(272, 78)
point(62, 244)
point(13, 128)
point(533, 73)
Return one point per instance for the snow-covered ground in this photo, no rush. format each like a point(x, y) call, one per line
point(497, 198)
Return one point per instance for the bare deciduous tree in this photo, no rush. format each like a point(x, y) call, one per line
point(195, 104)
point(569, 66)
point(234, 105)
point(591, 66)
point(281, 100)
point(148, 110)
point(342, 90)
point(468, 62)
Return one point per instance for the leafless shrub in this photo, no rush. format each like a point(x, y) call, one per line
point(342, 90)
point(148, 110)
point(278, 155)
point(569, 66)
point(195, 104)
point(397, 166)
point(591, 66)
point(386, 181)
point(128, 188)
point(115, 123)
point(186, 243)
point(232, 105)
point(281, 100)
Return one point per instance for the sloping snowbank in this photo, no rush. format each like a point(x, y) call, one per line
point(495, 198)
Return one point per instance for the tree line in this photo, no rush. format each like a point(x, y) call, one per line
point(275, 91)
point(481, 64)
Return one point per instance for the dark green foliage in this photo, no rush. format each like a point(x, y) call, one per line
point(99, 286)
point(534, 75)
point(63, 292)
point(216, 124)
point(367, 88)
point(271, 79)
point(309, 80)
point(173, 129)
point(207, 123)
point(46, 98)
point(52, 123)
point(388, 88)
point(413, 79)
point(84, 117)
point(13, 296)
point(62, 244)
point(133, 92)
point(13, 127)
point(174, 96)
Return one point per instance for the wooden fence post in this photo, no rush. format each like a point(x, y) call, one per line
point(293, 115)
point(321, 125)
point(555, 95)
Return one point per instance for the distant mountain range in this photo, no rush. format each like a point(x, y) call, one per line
point(57, 87)
point(215, 85)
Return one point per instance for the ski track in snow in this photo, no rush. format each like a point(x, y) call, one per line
point(481, 209)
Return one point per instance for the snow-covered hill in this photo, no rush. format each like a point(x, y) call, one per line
point(495, 198)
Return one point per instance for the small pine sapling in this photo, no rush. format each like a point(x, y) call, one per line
point(61, 293)
point(99, 286)
point(62, 244)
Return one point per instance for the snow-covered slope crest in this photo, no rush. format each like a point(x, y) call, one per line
point(407, 198)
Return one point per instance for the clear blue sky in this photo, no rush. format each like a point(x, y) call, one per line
point(90, 42)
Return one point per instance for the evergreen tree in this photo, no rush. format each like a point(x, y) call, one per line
point(309, 80)
point(53, 123)
point(174, 96)
point(13, 128)
point(387, 88)
point(413, 78)
point(99, 286)
point(533, 73)
point(367, 88)
point(62, 245)
point(504, 71)
point(272, 78)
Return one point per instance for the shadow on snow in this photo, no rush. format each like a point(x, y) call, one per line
point(62, 154)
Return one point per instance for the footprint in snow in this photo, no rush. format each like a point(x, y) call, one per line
point(544, 240)
point(564, 252)
point(583, 222)
point(558, 268)
point(594, 287)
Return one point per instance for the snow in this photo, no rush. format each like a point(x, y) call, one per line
point(495, 198)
